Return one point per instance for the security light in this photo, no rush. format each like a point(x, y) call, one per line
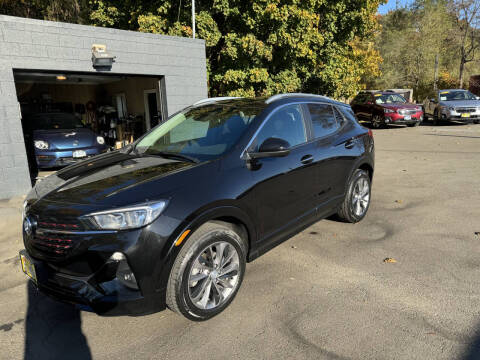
point(101, 59)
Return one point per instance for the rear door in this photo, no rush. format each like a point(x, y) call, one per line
point(335, 153)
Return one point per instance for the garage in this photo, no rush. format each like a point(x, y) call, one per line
point(112, 83)
point(117, 108)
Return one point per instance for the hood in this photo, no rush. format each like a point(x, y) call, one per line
point(112, 179)
point(66, 139)
point(398, 106)
point(461, 103)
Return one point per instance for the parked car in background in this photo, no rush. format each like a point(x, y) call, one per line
point(453, 105)
point(60, 139)
point(172, 219)
point(384, 108)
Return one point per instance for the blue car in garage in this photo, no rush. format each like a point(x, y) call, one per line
point(60, 139)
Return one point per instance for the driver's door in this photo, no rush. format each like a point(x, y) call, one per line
point(284, 190)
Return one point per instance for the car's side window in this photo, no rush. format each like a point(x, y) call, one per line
point(339, 117)
point(323, 119)
point(287, 124)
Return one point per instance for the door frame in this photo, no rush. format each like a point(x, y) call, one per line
point(145, 103)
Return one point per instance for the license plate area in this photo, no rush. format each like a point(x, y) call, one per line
point(79, 154)
point(465, 115)
point(408, 117)
point(28, 267)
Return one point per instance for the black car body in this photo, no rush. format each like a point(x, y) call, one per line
point(267, 196)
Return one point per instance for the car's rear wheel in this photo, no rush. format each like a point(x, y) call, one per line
point(357, 199)
point(207, 272)
point(436, 119)
point(377, 122)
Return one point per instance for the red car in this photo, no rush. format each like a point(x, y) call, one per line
point(383, 108)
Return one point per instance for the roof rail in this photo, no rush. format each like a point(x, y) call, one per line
point(207, 100)
point(282, 96)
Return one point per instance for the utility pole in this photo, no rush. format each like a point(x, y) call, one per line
point(193, 18)
point(435, 81)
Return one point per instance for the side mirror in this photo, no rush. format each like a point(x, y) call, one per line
point(271, 147)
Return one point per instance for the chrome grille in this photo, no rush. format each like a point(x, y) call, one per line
point(465, 110)
point(407, 112)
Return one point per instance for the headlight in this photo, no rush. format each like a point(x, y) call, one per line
point(24, 210)
point(41, 145)
point(128, 218)
point(100, 140)
point(388, 111)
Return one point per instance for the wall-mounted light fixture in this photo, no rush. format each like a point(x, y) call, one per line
point(101, 59)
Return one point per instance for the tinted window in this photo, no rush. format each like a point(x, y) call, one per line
point(323, 119)
point(202, 132)
point(348, 113)
point(389, 99)
point(287, 124)
point(456, 95)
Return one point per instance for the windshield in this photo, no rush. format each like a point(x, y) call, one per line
point(55, 121)
point(389, 99)
point(456, 95)
point(202, 133)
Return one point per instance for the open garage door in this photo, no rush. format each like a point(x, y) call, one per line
point(70, 116)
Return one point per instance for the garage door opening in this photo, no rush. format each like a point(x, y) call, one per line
point(68, 117)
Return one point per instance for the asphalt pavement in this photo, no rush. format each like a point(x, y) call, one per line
point(327, 293)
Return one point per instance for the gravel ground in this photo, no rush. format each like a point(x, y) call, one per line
point(324, 294)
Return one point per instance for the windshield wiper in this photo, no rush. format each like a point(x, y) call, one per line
point(169, 155)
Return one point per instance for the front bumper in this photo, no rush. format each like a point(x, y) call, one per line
point(59, 158)
point(397, 119)
point(77, 266)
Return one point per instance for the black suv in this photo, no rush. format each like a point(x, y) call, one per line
point(172, 219)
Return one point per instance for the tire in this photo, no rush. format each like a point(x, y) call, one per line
point(414, 124)
point(476, 121)
point(347, 211)
point(436, 119)
point(377, 122)
point(188, 300)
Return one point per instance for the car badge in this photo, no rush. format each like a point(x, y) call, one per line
point(75, 143)
point(71, 134)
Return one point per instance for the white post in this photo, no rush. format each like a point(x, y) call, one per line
point(193, 18)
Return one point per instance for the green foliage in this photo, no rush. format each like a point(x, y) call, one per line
point(261, 47)
point(410, 40)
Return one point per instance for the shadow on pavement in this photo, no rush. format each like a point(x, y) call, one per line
point(53, 329)
point(473, 350)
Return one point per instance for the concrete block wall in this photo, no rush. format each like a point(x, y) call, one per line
point(45, 45)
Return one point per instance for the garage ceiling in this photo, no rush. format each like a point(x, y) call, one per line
point(51, 78)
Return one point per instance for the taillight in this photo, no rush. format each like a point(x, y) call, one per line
point(370, 133)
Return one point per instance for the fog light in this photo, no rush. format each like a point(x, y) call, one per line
point(124, 274)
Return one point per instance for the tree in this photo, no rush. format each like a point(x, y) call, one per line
point(467, 19)
point(264, 47)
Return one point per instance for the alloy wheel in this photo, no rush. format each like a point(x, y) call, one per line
point(214, 275)
point(360, 197)
point(376, 122)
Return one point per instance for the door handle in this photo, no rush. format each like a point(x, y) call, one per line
point(307, 159)
point(349, 144)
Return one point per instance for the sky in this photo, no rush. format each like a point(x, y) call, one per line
point(391, 4)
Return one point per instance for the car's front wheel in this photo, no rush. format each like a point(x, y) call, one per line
point(357, 199)
point(377, 122)
point(207, 272)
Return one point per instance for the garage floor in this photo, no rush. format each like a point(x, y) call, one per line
point(325, 294)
